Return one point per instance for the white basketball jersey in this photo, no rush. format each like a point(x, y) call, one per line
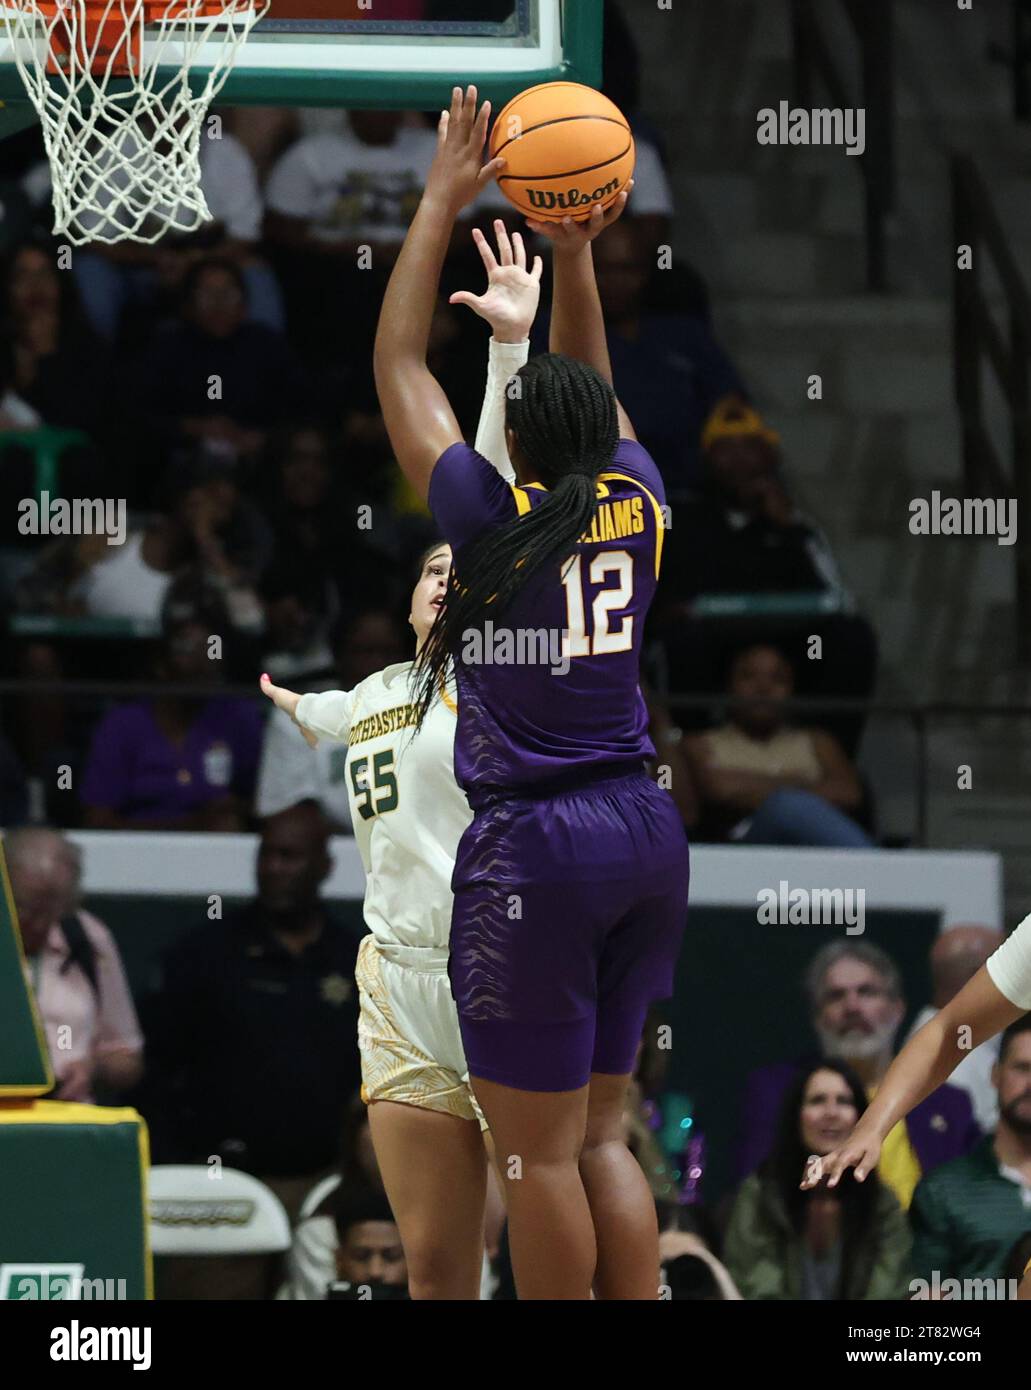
point(407, 810)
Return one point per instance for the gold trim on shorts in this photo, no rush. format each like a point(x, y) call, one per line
point(393, 1068)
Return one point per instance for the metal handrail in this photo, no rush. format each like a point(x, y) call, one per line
point(977, 337)
point(872, 23)
point(919, 713)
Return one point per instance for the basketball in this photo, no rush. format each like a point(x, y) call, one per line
point(567, 148)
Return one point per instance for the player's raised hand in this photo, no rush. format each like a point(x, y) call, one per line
point(458, 172)
point(570, 236)
point(286, 700)
point(860, 1151)
point(509, 303)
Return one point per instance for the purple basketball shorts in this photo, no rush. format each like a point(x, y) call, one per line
point(569, 911)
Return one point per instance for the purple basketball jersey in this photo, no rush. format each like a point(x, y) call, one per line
point(551, 685)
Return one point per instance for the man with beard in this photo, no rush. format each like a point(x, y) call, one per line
point(254, 1044)
point(856, 1009)
point(967, 1213)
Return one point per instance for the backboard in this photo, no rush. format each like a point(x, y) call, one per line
point(395, 53)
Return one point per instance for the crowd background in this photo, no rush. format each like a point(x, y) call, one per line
point(219, 386)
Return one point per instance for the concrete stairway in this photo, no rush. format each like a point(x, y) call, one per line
point(778, 233)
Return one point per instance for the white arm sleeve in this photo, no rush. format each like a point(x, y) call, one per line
point(1010, 966)
point(328, 713)
point(504, 361)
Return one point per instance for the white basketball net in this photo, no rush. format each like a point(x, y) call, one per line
point(124, 150)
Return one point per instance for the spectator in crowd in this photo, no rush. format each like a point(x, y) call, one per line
point(213, 377)
point(311, 1263)
point(851, 1243)
point(956, 956)
point(209, 534)
point(74, 969)
point(59, 366)
point(690, 1267)
point(765, 781)
point(111, 277)
point(369, 1251)
point(367, 641)
point(253, 1050)
point(332, 197)
point(742, 536)
point(670, 368)
point(967, 1213)
point(176, 762)
point(856, 1007)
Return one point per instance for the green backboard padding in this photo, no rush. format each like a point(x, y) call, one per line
point(71, 1199)
point(24, 1061)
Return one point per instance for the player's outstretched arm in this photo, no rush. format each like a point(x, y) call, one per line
point(417, 413)
point(509, 304)
point(577, 322)
point(979, 1011)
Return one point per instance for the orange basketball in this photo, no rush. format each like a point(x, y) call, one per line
point(567, 148)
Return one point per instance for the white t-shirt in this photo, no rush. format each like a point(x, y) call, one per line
point(290, 772)
point(350, 190)
point(651, 195)
point(407, 810)
point(1010, 965)
point(123, 585)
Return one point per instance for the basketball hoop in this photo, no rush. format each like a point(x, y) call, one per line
point(110, 81)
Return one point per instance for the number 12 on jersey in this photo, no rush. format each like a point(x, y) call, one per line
point(603, 637)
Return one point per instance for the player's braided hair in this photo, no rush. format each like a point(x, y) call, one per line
point(565, 419)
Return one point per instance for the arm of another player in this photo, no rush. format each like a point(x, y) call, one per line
point(577, 322)
point(978, 1011)
point(509, 304)
point(327, 714)
point(417, 413)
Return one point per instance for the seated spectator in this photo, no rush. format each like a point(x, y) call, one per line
point(332, 197)
point(215, 378)
point(370, 1260)
point(176, 762)
point(74, 969)
point(742, 536)
point(856, 1007)
point(967, 1213)
point(59, 366)
point(367, 641)
point(111, 277)
point(823, 1245)
point(208, 532)
point(670, 368)
point(956, 956)
point(689, 1267)
point(252, 1051)
point(311, 1263)
point(764, 781)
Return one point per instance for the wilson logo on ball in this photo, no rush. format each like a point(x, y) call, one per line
point(546, 198)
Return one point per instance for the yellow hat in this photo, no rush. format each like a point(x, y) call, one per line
point(732, 418)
